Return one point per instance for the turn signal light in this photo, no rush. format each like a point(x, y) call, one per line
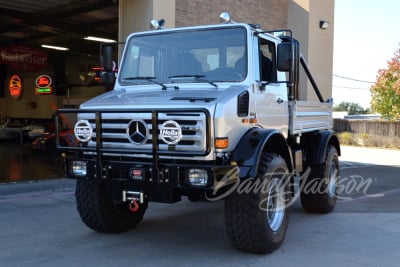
point(251, 120)
point(221, 142)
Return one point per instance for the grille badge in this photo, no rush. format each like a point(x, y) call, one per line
point(137, 132)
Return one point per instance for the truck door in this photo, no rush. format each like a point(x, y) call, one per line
point(270, 96)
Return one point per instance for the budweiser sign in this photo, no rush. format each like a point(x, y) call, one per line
point(23, 58)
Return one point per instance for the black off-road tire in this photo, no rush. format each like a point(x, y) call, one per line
point(99, 212)
point(250, 225)
point(319, 189)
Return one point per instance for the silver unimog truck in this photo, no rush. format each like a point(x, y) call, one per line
point(208, 113)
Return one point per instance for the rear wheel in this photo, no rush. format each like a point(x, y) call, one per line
point(101, 213)
point(319, 189)
point(257, 221)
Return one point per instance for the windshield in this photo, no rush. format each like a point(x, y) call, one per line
point(215, 55)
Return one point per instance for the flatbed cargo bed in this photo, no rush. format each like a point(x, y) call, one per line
point(310, 116)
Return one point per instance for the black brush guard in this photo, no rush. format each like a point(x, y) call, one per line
point(164, 176)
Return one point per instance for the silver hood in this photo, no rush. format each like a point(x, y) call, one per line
point(170, 98)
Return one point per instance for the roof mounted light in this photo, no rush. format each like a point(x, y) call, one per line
point(157, 24)
point(99, 39)
point(226, 18)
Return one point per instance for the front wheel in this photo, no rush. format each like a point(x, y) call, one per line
point(256, 218)
point(101, 213)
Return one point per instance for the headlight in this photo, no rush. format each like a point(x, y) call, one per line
point(197, 177)
point(78, 168)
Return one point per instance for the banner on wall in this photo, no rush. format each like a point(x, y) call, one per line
point(23, 58)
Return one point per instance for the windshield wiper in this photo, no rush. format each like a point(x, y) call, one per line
point(196, 77)
point(146, 78)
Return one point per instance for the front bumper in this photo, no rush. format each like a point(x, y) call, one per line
point(165, 183)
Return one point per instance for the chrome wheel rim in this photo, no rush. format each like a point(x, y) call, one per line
point(332, 180)
point(275, 205)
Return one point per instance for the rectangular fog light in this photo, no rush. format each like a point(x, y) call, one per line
point(198, 177)
point(78, 168)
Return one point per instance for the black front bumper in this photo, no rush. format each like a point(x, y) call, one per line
point(165, 183)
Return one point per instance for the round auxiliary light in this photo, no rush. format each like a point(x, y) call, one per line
point(154, 24)
point(83, 131)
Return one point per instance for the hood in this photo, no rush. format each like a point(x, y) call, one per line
point(170, 98)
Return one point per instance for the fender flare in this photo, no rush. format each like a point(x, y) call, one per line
point(316, 145)
point(247, 153)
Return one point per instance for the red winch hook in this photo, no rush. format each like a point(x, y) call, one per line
point(133, 206)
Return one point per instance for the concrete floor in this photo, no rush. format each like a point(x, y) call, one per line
point(41, 227)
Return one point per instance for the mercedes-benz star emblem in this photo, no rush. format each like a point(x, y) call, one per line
point(137, 132)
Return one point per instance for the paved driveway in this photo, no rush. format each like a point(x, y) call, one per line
point(40, 227)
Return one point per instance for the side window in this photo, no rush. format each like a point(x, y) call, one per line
point(267, 60)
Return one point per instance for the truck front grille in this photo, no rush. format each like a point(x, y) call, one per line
point(133, 132)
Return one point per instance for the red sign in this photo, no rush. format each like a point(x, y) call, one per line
point(23, 58)
point(43, 81)
point(43, 85)
point(15, 86)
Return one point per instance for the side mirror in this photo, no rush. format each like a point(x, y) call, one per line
point(108, 80)
point(106, 61)
point(285, 57)
point(106, 57)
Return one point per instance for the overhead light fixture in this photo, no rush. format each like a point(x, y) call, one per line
point(323, 24)
point(55, 47)
point(99, 39)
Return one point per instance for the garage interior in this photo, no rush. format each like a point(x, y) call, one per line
point(58, 23)
point(30, 31)
point(26, 25)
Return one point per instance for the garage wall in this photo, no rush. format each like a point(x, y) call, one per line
point(79, 76)
point(316, 44)
point(270, 14)
point(29, 105)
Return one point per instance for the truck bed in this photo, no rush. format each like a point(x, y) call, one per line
point(310, 116)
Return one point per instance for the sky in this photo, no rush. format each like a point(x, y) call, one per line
point(366, 36)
